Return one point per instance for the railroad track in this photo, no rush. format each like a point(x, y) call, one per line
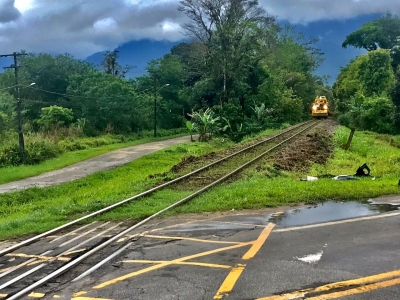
point(24, 272)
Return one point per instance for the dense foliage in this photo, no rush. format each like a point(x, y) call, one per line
point(367, 90)
point(240, 69)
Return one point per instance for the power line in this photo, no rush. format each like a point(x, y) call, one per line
point(87, 97)
point(15, 66)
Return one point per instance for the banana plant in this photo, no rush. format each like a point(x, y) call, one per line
point(206, 124)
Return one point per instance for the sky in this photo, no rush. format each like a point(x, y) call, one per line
point(85, 27)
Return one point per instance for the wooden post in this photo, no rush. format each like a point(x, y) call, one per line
point(350, 139)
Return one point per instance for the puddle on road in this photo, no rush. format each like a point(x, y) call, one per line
point(324, 212)
point(329, 211)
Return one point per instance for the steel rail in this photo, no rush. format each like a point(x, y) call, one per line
point(78, 260)
point(145, 193)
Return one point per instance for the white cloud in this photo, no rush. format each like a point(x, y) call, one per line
point(106, 24)
point(304, 11)
point(82, 27)
point(23, 5)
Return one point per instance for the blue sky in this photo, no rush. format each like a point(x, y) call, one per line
point(148, 28)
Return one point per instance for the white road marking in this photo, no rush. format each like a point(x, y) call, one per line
point(312, 258)
point(338, 222)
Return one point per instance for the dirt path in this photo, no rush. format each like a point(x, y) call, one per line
point(82, 169)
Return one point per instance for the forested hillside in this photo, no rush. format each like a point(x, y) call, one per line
point(367, 91)
point(241, 73)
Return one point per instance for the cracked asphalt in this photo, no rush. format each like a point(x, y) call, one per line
point(265, 255)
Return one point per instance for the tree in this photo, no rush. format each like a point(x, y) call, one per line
point(106, 101)
point(51, 75)
point(381, 33)
point(376, 74)
point(370, 75)
point(232, 31)
point(112, 67)
point(55, 116)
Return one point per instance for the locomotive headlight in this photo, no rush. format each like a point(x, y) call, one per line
point(325, 106)
point(314, 107)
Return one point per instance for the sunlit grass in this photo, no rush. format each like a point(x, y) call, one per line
point(37, 210)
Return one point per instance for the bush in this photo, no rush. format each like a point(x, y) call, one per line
point(35, 152)
point(40, 151)
point(86, 143)
point(43, 146)
point(9, 156)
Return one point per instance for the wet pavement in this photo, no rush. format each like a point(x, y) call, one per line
point(391, 200)
point(334, 250)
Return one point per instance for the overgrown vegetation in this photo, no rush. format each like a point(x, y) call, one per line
point(367, 93)
point(244, 68)
point(37, 210)
point(42, 146)
point(90, 148)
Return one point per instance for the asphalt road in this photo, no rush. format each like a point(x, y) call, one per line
point(252, 256)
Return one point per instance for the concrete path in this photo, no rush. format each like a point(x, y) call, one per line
point(99, 163)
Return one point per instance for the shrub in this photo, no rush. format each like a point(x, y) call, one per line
point(9, 155)
point(55, 116)
point(39, 151)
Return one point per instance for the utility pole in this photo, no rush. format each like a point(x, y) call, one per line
point(17, 96)
point(155, 107)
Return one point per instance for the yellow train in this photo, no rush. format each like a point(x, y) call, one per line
point(320, 107)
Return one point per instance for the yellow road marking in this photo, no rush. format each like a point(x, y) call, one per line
point(79, 294)
point(229, 281)
point(3, 295)
point(189, 239)
point(161, 265)
point(36, 295)
point(43, 258)
point(336, 285)
point(21, 265)
point(293, 295)
point(259, 242)
point(358, 290)
point(178, 263)
point(56, 296)
point(238, 223)
point(233, 276)
point(75, 251)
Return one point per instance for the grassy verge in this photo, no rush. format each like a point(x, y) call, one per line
point(37, 210)
point(9, 174)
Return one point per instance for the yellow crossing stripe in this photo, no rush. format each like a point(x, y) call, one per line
point(161, 265)
point(38, 256)
point(189, 239)
point(229, 281)
point(178, 263)
point(233, 276)
point(368, 283)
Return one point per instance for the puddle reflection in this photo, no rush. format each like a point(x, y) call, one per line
point(329, 211)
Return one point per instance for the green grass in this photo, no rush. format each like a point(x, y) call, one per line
point(9, 174)
point(37, 210)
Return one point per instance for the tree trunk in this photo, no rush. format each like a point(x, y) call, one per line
point(350, 139)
